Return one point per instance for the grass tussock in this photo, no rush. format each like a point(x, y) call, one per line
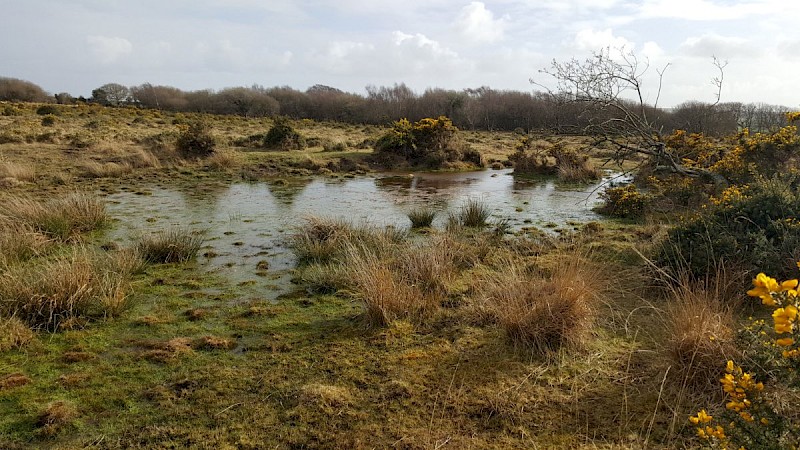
point(578, 171)
point(474, 213)
point(56, 416)
point(700, 333)
point(430, 267)
point(63, 291)
point(544, 312)
point(321, 240)
point(175, 245)
point(386, 294)
point(94, 169)
point(20, 242)
point(16, 171)
point(421, 217)
point(61, 218)
point(222, 160)
point(14, 334)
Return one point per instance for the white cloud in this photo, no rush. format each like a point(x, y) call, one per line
point(711, 44)
point(477, 24)
point(700, 10)
point(109, 49)
point(591, 40)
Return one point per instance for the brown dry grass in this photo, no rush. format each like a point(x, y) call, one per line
point(53, 293)
point(55, 417)
point(20, 242)
point(700, 328)
point(62, 218)
point(17, 171)
point(14, 334)
point(544, 312)
point(386, 294)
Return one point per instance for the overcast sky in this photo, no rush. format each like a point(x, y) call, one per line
point(78, 45)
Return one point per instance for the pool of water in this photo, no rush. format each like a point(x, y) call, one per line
point(247, 223)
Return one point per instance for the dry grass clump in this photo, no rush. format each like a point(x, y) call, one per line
point(324, 396)
point(94, 169)
point(700, 332)
point(573, 166)
point(387, 294)
point(16, 171)
point(14, 334)
point(222, 160)
point(473, 213)
point(56, 292)
point(544, 312)
point(174, 245)
point(61, 218)
point(325, 240)
point(430, 267)
point(421, 217)
point(20, 242)
point(55, 417)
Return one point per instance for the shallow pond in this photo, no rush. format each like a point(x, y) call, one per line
point(247, 223)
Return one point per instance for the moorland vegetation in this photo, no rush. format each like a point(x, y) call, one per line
point(634, 332)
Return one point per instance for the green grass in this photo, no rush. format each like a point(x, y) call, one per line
point(421, 217)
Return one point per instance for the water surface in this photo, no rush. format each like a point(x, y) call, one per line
point(247, 223)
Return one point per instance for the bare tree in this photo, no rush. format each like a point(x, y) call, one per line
point(609, 87)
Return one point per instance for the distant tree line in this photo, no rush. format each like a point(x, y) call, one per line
point(483, 108)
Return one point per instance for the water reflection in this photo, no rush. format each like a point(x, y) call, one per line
point(249, 222)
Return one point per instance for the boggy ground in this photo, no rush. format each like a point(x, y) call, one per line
point(192, 361)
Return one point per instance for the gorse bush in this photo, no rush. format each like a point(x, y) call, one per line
point(759, 415)
point(752, 227)
point(283, 136)
point(624, 201)
point(195, 140)
point(429, 142)
point(48, 110)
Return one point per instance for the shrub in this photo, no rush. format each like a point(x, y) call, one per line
point(421, 217)
point(283, 136)
point(196, 140)
point(759, 415)
point(49, 120)
point(61, 218)
point(624, 201)
point(174, 245)
point(428, 142)
point(48, 110)
point(752, 227)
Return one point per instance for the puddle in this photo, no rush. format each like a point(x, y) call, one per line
point(247, 224)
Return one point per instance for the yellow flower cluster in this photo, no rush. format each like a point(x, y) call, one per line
point(793, 116)
point(783, 296)
point(730, 195)
point(738, 384)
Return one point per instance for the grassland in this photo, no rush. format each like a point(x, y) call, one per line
point(467, 337)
